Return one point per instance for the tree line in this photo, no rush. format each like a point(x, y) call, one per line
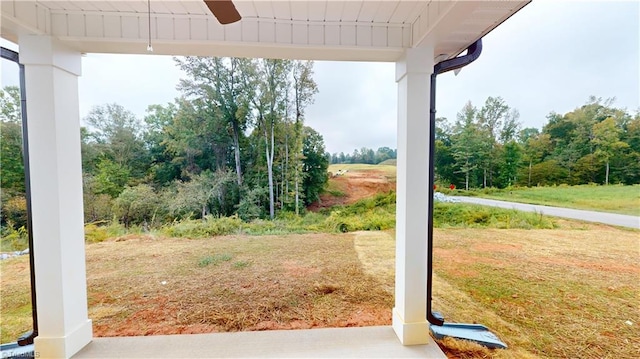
point(487, 147)
point(363, 155)
point(233, 143)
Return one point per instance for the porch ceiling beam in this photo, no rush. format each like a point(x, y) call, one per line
point(224, 49)
point(97, 27)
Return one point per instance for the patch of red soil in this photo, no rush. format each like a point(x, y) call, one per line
point(368, 317)
point(356, 185)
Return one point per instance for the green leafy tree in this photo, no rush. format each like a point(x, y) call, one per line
point(384, 153)
point(304, 89)
point(251, 204)
point(117, 134)
point(97, 206)
point(509, 163)
point(315, 165)
point(548, 173)
point(158, 119)
point(11, 160)
point(510, 126)
point(466, 142)
point(111, 177)
point(606, 139)
point(220, 84)
point(444, 161)
point(199, 194)
point(10, 105)
point(535, 148)
point(491, 117)
point(526, 133)
point(186, 139)
point(137, 205)
point(271, 82)
point(14, 211)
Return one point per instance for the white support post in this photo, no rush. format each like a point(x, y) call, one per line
point(409, 315)
point(51, 73)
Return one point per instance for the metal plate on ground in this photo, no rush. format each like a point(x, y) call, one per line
point(473, 332)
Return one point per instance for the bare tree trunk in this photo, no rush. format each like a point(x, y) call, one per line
point(466, 178)
point(606, 178)
point(285, 177)
point(271, 197)
point(282, 190)
point(236, 144)
point(297, 196)
point(484, 180)
point(490, 174)
point(269, 154)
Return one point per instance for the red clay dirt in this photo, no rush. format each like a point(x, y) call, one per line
point(356, 185)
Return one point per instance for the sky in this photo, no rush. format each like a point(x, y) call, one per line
point(550, 56)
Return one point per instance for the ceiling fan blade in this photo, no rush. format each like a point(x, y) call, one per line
point(224, 11)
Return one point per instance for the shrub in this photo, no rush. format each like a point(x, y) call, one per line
point(14, 212)
point(466, 215)
point(94, 234)
point(14, 239)
point(209, 227)
point(100, 231)
point(137, 205)
point(250, 206)
point(544, 174)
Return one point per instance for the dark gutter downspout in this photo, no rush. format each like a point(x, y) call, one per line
point(10, 55)
point(473, 52)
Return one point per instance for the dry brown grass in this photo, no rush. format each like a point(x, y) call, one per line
point(547, 293)
point(15, 298)
point(230, 284)
point(562, 293)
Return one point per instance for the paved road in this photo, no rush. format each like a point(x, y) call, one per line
point(590, 216)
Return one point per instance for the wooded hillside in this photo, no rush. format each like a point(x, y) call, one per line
point(233, 143)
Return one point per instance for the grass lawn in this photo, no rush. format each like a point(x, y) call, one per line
point(565, 292)
point(614, 198)
point(144, 286)
point(389, 171)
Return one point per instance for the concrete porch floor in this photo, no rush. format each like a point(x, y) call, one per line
point(364, 342)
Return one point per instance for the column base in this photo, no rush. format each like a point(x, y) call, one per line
point(64, 347)
point(410, 333)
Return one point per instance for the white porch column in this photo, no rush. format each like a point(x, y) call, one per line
point(409, 314)
point(56, 187)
